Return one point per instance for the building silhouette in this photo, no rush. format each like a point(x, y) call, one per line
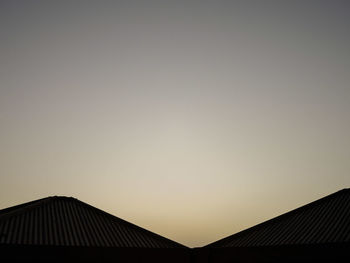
point(318, 231)
point(64, 229)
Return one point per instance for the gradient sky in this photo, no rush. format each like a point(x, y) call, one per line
point(193, 119)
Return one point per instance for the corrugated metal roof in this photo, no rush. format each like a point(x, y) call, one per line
point(324, 221)
point(66, 221)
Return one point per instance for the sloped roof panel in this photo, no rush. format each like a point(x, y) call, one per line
point(324, 221)
point(66, 221)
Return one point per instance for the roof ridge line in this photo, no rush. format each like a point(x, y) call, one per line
point(129, 224)
point(25, 207)
point(279, 217)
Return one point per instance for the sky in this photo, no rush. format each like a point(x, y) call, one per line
point(193, 119)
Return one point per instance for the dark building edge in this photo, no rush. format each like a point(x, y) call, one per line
point(129, 224)
point(216, 244)
point(331, 252)
point(19, 209)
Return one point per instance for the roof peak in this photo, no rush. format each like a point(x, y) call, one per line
point(81, 219)
point(62, 197)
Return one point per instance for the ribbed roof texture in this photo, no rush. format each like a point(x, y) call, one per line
point(324, 221)
point(66, 221)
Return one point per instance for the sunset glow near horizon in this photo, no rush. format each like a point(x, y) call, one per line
point(192, 119)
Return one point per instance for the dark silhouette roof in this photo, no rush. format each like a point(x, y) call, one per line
point(66, 221)
point(323, 221)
